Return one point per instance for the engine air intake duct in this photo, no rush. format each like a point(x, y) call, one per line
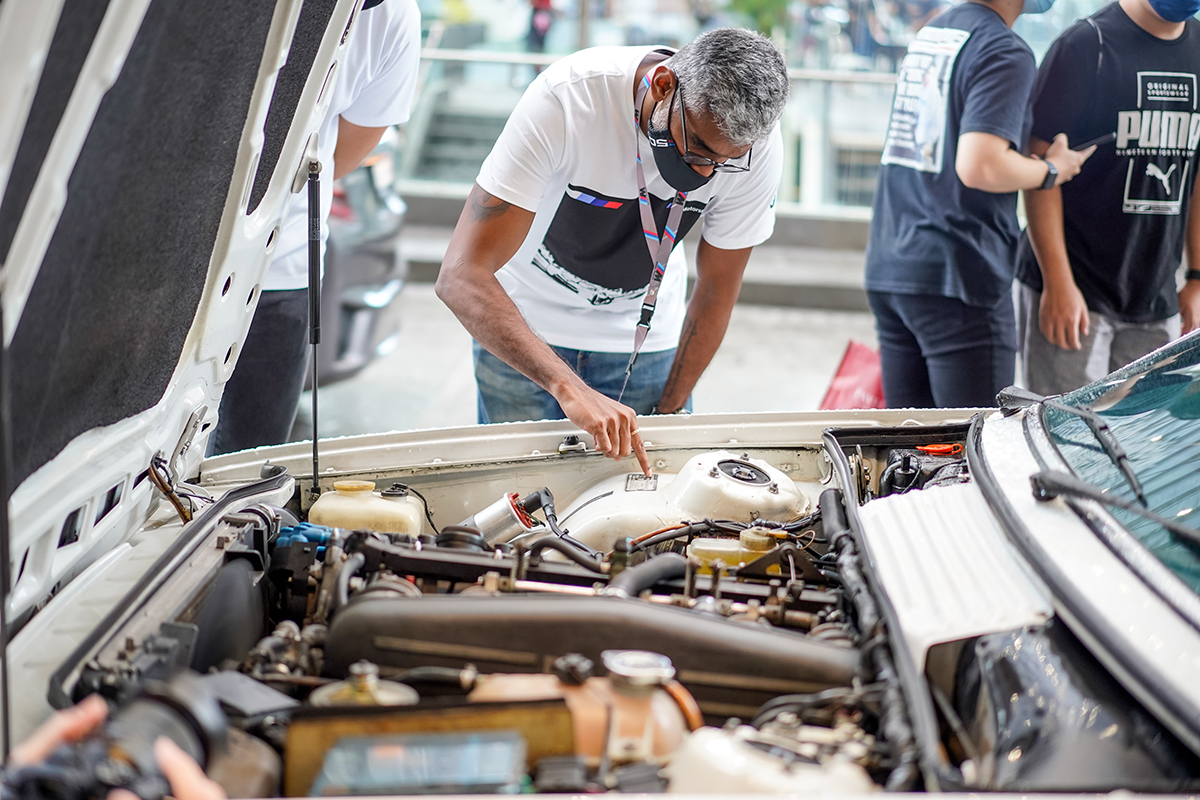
point(730, 668)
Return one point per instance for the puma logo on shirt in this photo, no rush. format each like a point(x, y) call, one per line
point(1153, 171)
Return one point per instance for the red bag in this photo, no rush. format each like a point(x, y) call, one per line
point(858, 382)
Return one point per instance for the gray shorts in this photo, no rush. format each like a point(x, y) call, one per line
point(1109, 345)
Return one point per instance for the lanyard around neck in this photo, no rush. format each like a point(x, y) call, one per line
point(660, 247)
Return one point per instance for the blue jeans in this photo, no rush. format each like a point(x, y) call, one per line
point(939, 352)
point(506, 395)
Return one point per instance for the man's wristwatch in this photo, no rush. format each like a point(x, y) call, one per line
point(1051, 176)
point(1192, 275)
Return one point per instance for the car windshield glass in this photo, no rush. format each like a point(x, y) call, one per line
point(1153, 412)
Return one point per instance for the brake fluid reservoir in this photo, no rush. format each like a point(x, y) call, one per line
point(356, 506)
point(750, 544)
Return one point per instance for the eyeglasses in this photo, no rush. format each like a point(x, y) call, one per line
point(732, 165)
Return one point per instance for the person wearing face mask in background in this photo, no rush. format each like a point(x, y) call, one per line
point(562, 264)
point(1098, 261)
point(944, 231)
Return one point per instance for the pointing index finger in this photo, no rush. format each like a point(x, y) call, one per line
point(639, 450)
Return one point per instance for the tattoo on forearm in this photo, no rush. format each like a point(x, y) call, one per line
point(685, 341)
point(486, 207)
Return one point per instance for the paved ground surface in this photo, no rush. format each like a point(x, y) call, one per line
point(773, 359)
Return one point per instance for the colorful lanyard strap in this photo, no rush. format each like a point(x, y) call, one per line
point(659, 246)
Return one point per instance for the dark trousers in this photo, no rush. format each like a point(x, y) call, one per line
point(259, 403)
point(938, 352)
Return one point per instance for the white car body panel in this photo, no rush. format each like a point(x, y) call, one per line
point(1133, 613)
point(948, 569)
point(117, 454)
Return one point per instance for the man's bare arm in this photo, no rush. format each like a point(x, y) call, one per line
point(1189, 295)
point(987, 162)
point(718, 281)
point(488, 233)
point(354, 143)
point(1062, 313)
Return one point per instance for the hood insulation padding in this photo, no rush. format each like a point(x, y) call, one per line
point(310, 30)
point(77, 27)
point(105, 322)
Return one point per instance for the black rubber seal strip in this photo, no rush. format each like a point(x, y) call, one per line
point(194, 532)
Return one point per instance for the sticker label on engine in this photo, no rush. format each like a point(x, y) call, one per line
point(637, 482)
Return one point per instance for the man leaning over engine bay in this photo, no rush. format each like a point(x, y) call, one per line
point(564, 252)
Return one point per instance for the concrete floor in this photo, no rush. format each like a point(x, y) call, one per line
point(773, 359)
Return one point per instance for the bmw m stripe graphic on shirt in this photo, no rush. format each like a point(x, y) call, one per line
point(596, 247)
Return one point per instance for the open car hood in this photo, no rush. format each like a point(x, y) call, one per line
point(147, 155)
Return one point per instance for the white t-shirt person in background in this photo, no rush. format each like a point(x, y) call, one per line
point(375, 85)
point(549, 261)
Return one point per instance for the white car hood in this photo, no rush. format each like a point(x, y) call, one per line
point(147, 156)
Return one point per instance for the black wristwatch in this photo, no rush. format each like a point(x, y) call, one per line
point(1051, 176)
point(1192, 275)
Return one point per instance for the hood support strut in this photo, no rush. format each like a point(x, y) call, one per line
point(6, 463)
point(314, 304)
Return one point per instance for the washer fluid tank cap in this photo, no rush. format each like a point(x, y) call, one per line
point(637, 668)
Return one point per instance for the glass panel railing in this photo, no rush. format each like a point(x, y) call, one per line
point(832, 129)
point(481, 54)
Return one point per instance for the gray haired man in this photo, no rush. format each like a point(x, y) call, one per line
point(563, 264)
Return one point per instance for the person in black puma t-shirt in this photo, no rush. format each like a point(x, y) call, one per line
point(1097, 263)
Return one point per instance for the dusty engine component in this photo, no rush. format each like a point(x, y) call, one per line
point(729, 667)
point(503, 520)
point(364, 688)
point(745, 761)
point(923, 466)
point(628, 716)
point(546, 727)
point(490, 762)
point(717, 485)
point(289, 651)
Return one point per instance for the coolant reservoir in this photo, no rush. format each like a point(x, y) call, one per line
point(356, 506)
point(750, 544)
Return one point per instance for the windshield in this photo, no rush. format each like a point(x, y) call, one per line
point(1153, 411)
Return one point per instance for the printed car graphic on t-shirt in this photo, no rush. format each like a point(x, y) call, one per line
point(595, 246)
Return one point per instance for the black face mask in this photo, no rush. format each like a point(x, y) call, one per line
point(671, 166)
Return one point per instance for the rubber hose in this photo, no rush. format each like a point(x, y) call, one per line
point(666, 536)
point(837, 531)
point(566, 549)
point(635, 580)
point(441, 676)
point(345, 572)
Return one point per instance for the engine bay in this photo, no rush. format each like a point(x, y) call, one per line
point(709, 629)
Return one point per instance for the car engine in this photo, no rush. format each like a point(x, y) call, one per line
point(711, 629)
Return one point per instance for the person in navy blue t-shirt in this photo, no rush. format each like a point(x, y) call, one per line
point(944, 232)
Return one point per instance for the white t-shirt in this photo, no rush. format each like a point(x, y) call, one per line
point(375, 84)
point(568, 153)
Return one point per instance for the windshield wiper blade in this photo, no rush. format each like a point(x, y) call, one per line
point(1050, 484)
point(1014, 398)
